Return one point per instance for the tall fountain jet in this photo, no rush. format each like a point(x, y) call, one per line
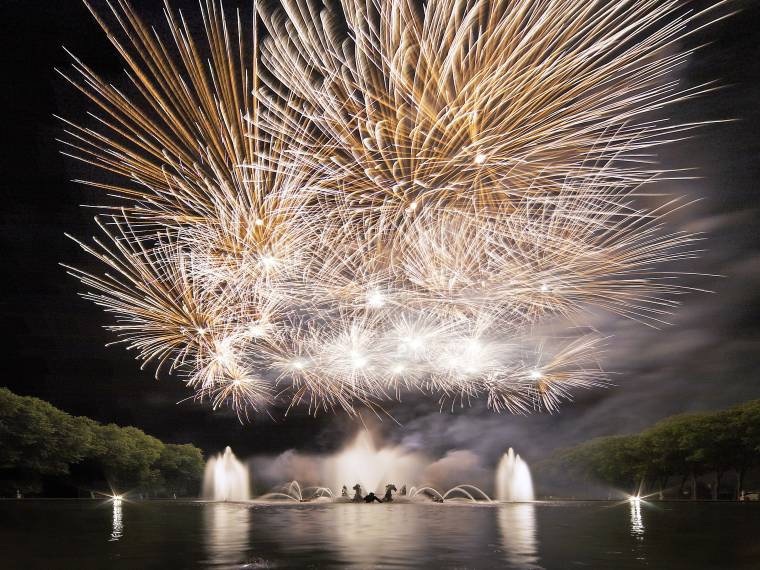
point(513, 480)
point(372, 468)
point(226, 478)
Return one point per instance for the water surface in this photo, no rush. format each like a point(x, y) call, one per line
point(83, 534)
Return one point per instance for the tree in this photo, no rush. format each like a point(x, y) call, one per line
point(687, 445)
point(615, 460)
point(665, 442)
point(181, 468)
point(40, 444)
point(38, 440)
point(709, 444)
point(746, 424)
point(126, 456)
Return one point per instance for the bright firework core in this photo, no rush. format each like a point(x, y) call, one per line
point(394, 207)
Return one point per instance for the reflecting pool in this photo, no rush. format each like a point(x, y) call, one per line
point(85, 534)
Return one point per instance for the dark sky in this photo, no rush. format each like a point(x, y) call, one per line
point(54, 346)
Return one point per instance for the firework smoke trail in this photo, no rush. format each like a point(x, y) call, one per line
point(335, 206)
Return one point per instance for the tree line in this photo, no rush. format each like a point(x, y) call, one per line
point(705, 454)
point(44, 450)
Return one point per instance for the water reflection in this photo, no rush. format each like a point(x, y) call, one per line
point(226, 533)
point(394, 532)
point(176, 534)
point(637, 522)
point(398, 535)
point(117, 527)
point(517, 525)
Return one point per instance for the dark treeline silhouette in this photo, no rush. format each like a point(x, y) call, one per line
point(695, 455)
point(45, 451)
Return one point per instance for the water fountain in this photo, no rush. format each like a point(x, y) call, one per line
point(294, 492)
point(513, 480)
point(372, 467)
point(226, 478)
point(363, 463)
point(463, 491)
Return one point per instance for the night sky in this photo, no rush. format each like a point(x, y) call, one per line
point(54, 343)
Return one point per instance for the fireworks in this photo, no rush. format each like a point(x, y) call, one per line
point(334, 206)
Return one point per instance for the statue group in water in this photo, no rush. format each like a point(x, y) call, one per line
point(371, 497)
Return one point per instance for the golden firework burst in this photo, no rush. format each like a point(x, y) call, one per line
point(337, 205)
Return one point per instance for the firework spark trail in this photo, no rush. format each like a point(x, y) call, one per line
point(473, 104)
point(376, 198)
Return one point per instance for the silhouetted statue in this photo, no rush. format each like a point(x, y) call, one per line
point(403, 491)
point(358, 495)
point(344, 491)
point(389, 493)
point(371, 497)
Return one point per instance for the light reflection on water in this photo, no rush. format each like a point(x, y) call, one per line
point(117, 525)
point(226, 535)
point(370, 535)
point(390, 528)
point(637, 522)
point(517, 526)
point(86, 535)
point(394, 535)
